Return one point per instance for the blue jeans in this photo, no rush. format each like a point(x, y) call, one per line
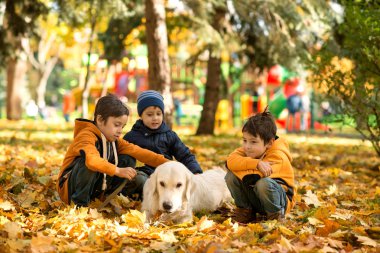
point(85, 185)
point(266, 196)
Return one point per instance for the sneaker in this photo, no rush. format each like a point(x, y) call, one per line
point(243, 215)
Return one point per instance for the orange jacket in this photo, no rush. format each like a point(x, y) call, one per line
point(86, 139)
point(279, 157)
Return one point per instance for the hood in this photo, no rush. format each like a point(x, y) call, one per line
point(89, 125)
point(281, 145)
point(140, 127)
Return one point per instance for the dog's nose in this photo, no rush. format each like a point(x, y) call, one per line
point(167, 206)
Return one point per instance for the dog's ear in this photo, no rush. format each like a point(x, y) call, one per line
point(150, 187)
point(189, 187)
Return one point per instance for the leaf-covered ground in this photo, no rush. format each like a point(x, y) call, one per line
point(338, 207)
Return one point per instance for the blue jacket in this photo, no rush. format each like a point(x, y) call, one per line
point(162, 141)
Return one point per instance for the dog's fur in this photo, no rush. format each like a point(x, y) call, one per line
point(174, 190)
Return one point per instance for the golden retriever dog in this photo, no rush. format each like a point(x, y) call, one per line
point(176, 192)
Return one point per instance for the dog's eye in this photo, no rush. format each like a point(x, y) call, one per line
point(179, 185)
point(162, 184)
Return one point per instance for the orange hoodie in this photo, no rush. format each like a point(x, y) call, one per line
point(279, 157)
point(86, 138)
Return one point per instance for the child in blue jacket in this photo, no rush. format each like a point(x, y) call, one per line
point(150, 132)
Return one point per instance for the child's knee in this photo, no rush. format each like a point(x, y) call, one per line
point(264, 185)
point(231, 179)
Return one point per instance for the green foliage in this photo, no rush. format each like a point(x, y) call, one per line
point(19, 20)
point(279, 32)
point(349, 67)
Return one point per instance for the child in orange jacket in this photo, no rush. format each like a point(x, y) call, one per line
point(261, 177)
point(98, 160)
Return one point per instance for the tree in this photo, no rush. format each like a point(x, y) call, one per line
point(214, 77)
point(349, 68)
point(156, 38)
point(19, 22)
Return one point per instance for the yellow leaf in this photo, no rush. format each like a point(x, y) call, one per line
point(311, 199)
point(333, 189)
point(168, 236)
point(314, 221)
point(42, 243)
point(13, 229)
point(367, 241)
point(287, 244)
point(377, 192)
point(286, 231)
point(205, 224)
point(7, 206)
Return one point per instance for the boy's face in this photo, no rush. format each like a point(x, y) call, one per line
point(254, 146)
point(112, 128)
point(152, 117)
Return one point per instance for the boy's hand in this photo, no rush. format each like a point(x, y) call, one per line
point(265, 168)
point(127, 172)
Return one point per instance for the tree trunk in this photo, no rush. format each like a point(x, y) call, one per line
point(16, 72)
point(93, 12)
point(213, 83)
point(158, 58)
point(207, 121)
point(44, 74)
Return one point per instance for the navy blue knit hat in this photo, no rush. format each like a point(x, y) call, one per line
point(149, 98)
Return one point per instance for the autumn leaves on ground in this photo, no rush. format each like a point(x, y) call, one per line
point(338, 207)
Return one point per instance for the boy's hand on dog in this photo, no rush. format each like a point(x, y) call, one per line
point(127, 172)
point(265, 168)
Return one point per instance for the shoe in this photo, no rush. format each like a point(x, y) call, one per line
point(243, 215)
point(276, 216)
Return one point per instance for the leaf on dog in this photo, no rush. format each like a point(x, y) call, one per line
point(311, 199)
point(7, 206)
point(366, 241)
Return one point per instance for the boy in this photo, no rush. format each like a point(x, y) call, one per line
point(98, 160)
point(261, 177)
point(152, 133)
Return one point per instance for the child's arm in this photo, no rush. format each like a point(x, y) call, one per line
point(183, 154)
point(238, 161)
point(143, 155)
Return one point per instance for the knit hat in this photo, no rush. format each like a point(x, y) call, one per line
point(149, 98)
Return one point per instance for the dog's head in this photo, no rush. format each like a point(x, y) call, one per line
point(171, 183)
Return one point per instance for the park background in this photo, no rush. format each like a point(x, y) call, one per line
point(222, 61)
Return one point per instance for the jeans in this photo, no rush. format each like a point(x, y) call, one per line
point(85, 185)
point(265, 197)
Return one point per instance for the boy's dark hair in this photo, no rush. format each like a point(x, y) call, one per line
point(110, 106)
point(262, 125)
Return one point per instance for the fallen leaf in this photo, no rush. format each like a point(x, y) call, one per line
point(367, 241)
point(311, 199)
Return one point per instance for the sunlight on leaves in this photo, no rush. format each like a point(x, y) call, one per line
point(333, 189)
point(366, 241)
point(311, 199)
point(7, 206)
